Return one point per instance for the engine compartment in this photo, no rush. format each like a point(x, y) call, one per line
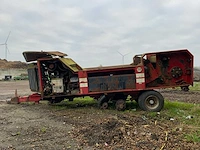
point(56, 78)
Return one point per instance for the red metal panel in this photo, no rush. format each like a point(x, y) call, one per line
point(176, 68)
point(83, 82)
point(140, 77)
point(31, 98)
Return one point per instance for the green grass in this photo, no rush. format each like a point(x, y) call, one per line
point(178, 110)
point(195, 87)
point(77, 102)
point(185, 114)
point(43, 129)
point(194, 136)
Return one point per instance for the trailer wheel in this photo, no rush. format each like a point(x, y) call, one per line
point(104, 105)
point(185, 88)
point(120, 105)
point(151, 101)
point(57, 100)
point(103, 102)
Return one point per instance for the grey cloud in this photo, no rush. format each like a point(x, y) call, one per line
point(91, 32)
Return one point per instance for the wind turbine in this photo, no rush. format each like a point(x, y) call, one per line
point(123, 56)
point(6, 46)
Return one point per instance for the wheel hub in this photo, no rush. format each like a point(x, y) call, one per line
point(151, 101)
point(120, 104)
point(104, 105)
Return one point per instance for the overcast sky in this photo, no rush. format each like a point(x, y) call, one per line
point(94, 32)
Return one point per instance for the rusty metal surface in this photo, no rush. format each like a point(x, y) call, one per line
point(34, 55)
point(108, 67)
point(111, 83)
point(173, 68)
point(71, 64)
point(169, 52)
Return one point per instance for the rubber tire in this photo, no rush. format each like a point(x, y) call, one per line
point(185, 88)
point(57, 100)
point(120, 105)
point(102, 101)
point(104, 105)
point(144, 98)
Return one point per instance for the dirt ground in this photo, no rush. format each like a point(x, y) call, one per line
point(178, 95)
point(4, 64)
point(40, 126)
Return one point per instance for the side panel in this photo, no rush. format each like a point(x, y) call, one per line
point(33, 79)
point(83, 82)
point(111, 83)
point(140, 78)
point(173, 68)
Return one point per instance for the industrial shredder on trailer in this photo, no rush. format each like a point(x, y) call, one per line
point(55, 77)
